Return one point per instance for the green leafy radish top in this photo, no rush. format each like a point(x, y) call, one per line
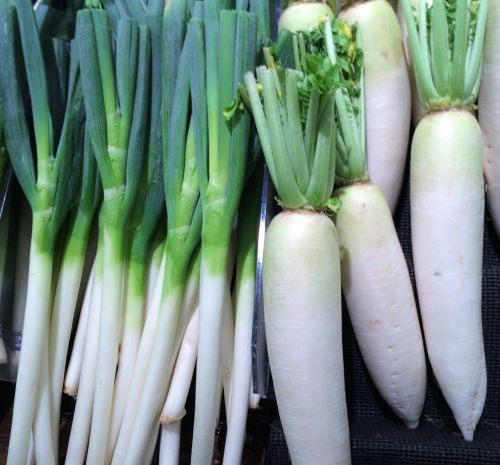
point(295, 104)
point(446, 41)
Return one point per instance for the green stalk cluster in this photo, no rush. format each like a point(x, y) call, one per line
point(446, 41)
point(310, 116)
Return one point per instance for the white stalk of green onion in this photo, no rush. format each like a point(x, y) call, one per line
point(73, 371)
point(69, 282)
point(80, 428)
point(20, 279)
point(244, 291)
point(222, 148)
point(183, 230)
point(147, 215)
point(49, 192)
point(116, 107)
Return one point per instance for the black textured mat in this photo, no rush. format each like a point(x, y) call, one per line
point(384, 442)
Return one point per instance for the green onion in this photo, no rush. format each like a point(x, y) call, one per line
point(50, 192)
point(147, 213)
point(223, 49)
point(116, 102)
point(70, 277)
point(183, 232)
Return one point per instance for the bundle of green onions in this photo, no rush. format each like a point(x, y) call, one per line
point(140, 115)
point(50, 189)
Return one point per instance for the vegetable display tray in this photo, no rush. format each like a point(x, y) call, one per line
point(377, 435)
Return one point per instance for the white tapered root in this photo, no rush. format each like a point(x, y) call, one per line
point(447, 218)
point(303, 320)
point(489, 112)
point(379, 296)
point(387, 94)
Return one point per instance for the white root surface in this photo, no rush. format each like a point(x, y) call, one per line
point(303, 316)
point(379, 296)
point(301, 16)
point(387, 94)
point(447, 217)
point(489, 111)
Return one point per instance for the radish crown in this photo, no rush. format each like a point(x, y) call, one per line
point(295, 109)
point(446, 41)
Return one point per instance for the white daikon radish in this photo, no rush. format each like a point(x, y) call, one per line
point(387, 93)
point(375, 277)
point(447, 201)
point(380, 299)
point(301, 264)
point(303, 15)
point(489, 111)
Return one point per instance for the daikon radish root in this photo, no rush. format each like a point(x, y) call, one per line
point(447, 200)
point(379, 296)
point(387, 93)
point(489, 111)
point(301, 264)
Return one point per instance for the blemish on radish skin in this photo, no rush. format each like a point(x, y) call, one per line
point(438, 273)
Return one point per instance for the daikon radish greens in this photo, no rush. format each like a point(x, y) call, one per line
point(50, 189)
point(224, 47)
point(294, 112)
point(489, 112)
point(387, 93)
point(115, 80)
point(418, 109)
point(447, 198)
point(375, 277)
